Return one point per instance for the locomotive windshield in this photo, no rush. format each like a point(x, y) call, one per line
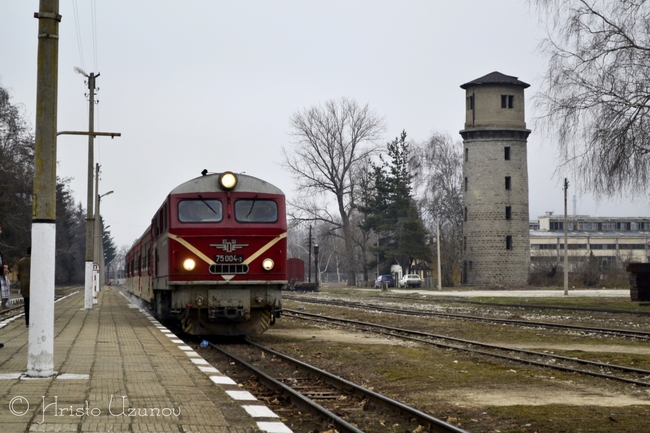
point(256, 211)
point(200, 211)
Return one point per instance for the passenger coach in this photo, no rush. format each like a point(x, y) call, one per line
point(214, 256)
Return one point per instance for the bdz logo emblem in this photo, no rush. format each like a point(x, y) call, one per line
point(229, 245)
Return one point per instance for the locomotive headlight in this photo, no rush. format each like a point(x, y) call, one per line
point(228, 180)
point(267, 264)
point(189, 264)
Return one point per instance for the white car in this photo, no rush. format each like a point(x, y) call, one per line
point(410, 280)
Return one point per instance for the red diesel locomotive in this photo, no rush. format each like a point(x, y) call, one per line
point(214, 256)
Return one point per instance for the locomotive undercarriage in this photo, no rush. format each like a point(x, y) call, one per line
point(221, 310)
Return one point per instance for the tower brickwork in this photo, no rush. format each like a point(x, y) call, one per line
point(496, 243)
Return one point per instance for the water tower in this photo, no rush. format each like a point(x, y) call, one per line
point(496, 244)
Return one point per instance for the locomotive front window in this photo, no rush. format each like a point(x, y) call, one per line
point(256, 211)
point(200, 211)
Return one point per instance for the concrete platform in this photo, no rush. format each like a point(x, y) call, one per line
point(119, 370)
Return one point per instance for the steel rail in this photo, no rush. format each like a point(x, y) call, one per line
point(434, 424)
point(608, 331)
point(451, 299)
point(296, 398)
point(14, 309)
point(322, 318)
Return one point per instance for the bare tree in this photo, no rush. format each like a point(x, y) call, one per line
point(365, 180)
point(596, 94)
point(330, 141)
point(437, 166)
point(16, 178)
point(116, 266)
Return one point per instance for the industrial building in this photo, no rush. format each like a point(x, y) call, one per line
point(614, 241)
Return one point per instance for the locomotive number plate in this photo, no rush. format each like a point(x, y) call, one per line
point(228, 258)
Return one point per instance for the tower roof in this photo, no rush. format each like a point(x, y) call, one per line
point(495, 78)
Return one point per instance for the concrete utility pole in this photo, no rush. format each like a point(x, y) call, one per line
point(89, 281)
point(40, 354)
point(377, 276)
point(316, 272)
point(438, 245)
point(88, 299)
point(99, 236)
point(309, 258)
point(96, 231)
point(566, 246)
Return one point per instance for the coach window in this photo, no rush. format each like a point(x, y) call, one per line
point(147, 250)
point(200, 211)
point(256, 211)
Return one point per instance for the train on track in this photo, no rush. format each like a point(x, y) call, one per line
point(214, 257)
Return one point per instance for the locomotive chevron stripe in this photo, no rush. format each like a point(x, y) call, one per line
point(262, 250)
point(209, 261)
point(192, 248)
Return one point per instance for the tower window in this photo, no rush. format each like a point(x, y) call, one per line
point(464, 243)
point(465, 184)
point(508, 183)
point(470, 102)
point(507, 101)
point(508, 242)
point(466, 154)
point(465, 213)
point(508, 212)
point(506, 153)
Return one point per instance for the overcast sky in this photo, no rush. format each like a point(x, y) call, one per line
point(212, 84)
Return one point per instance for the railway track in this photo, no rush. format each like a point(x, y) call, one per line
point(620, 373)
point(339, 403)
point(11, 311)
point(618, 332)
point(18, 307)
point(527, 306)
